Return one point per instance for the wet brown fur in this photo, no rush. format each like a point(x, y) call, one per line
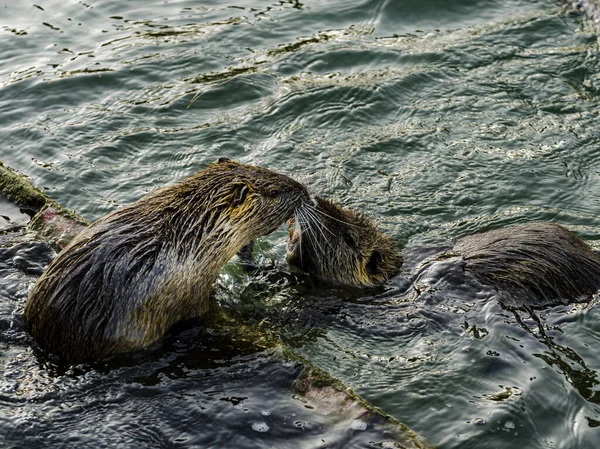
point(125, 280)
point(534, 263)
point(530, 264)
point(341, 246)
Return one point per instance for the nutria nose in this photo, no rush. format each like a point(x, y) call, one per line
point(302, 190)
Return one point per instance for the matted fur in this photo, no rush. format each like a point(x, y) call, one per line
point(341, 246)
point(532, 263)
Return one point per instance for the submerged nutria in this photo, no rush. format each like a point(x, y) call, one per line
point(538, 262)
point(125, 280)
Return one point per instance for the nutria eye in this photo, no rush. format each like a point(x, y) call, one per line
point(273, 193)
point(374, 261)
point(349, 240)
point(241, 195)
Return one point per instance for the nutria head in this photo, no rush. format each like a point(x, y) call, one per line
point(340, 246)
point(125, 280)
point(232, 202)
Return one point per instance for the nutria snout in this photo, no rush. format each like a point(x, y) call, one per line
point(125, 280)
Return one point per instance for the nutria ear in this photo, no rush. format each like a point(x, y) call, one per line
point(223, 159)
point(374, 261)
point(240, 195)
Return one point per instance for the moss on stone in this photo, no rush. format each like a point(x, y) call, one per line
point(20, 191)
point(53, 222)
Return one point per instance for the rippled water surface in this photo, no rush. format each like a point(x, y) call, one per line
point(437, 118)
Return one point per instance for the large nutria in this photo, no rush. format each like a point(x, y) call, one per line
point(537, 263)
point(124, 281)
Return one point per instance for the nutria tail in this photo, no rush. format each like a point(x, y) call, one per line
point(532, 264)
point(125, 280)
point(340, 246)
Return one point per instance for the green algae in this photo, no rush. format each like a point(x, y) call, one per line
point(50, 220)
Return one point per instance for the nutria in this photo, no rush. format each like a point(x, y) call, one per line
point(124, 281)
point(537, 263)
point(341, 246)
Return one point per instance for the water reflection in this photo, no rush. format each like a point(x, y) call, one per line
point(565, 359)
point(434, 339)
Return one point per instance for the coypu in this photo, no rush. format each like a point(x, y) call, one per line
point(341, 246)
point(536, 263)
point(125, 280)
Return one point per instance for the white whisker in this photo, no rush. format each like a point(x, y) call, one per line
point(309, 220)
point(319, 211)
point(320, 222)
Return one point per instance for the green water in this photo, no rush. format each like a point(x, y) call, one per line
point(437, 118)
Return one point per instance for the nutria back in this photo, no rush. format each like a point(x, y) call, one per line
point(532, 264)
point(125, 280)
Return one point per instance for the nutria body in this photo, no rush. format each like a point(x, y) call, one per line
point(536, 263)
point(125, 280)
